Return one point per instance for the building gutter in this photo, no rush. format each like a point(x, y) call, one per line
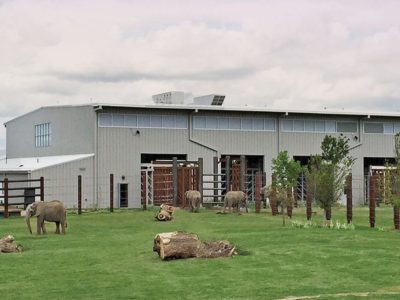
point(196, 141)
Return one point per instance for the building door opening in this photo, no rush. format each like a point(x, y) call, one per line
point(146, 158)
point(123, 195)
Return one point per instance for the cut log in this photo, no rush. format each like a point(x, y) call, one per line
point(179, 244)
point(170, 245)
point(167, 208)
point(163, 216)
point(165, 213)
point(8, 245)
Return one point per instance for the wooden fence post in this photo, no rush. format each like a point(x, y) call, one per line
point(175, 181)
point(79, 194)
point(243, 173)
point(349, 198)
point(5, 197)
point(396, 217)
point(111, 192)
point(200, 180)
point(228, 172)
point(372, 199)
point(42, 188)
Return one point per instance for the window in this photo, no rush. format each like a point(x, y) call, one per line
point(144, 121)
point(200, 122)
point(130, 121)
point(309, 125)
point(319, 126)
point(155, 121)
point(105, 119)
point(388, 128)
point(168, 121)
point(223, 123)
point(269, 124)
point(287, 125)
point(247, 124)
point(42, 135)
point(374, 127)
point(330, 126)
point(181, 122)
point(117, 120)
point(212, 123)
point(298, 125)
point(346, 126)
point(258, 124)
point(234, 123)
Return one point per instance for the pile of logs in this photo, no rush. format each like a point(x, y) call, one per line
point(179, 244)
point(165, 213)
point(8, 245)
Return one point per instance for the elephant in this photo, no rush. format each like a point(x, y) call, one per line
point(194, 199)
point(52, 211)
point(235, 199)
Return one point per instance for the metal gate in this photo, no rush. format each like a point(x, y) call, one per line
point(157, 182)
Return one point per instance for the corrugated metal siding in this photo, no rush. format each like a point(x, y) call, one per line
point(72, 132)
point(119, 153)
point(61, 183)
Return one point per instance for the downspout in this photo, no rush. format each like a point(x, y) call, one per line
point(96, 156)
point(194, 140)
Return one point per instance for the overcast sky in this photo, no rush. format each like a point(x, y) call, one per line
point(274, 54)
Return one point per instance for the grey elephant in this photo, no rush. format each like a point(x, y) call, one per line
point(235, 199)
point(194, 199)
point(52, 211)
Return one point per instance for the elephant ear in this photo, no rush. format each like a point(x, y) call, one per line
point(37, 209)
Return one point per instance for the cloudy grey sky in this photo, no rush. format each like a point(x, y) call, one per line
point(299, 54)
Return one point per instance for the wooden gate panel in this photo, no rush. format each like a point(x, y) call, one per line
point(187, 180)
point(162, 185)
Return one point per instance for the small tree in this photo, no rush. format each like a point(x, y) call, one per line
point(285, 171)
point(389, 183)
point(327, 172)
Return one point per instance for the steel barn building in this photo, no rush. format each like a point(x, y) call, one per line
point(96, 140)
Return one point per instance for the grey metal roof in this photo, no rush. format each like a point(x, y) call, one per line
point(250, 109)
point(192, 107)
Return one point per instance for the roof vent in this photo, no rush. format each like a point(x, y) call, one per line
point(173, 97)
point(212, 99)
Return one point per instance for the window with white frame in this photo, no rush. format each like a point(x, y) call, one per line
point(142, 121)
point(233, 123)
point(322, 126)
point(42, 135)
point(382, 127)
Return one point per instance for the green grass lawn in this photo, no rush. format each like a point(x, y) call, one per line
point(109, 256)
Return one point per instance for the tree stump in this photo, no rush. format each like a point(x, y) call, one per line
point(8, 245)
point(165, 213)
point(179, 244)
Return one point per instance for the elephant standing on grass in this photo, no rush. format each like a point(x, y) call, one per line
point(194, 199)
point(52, 211)
point(235, 199)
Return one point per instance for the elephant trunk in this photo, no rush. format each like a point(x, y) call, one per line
point(28, 220)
